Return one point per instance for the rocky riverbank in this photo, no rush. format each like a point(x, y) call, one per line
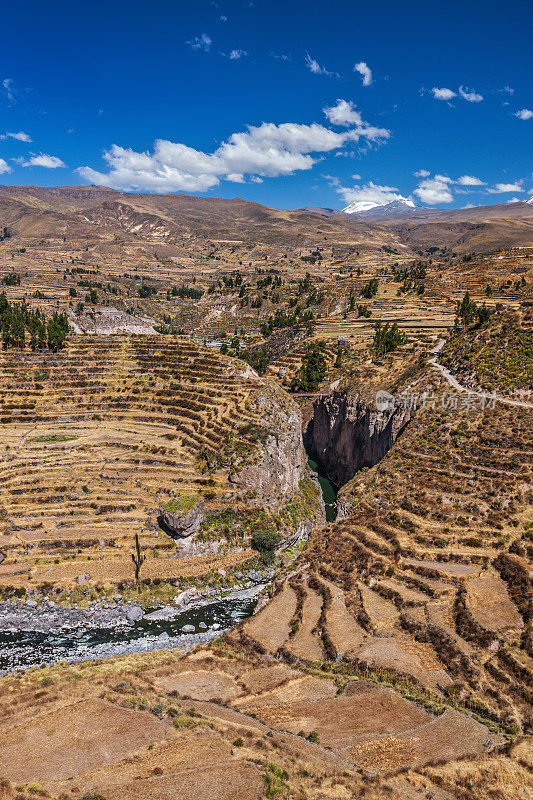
point(47, 617)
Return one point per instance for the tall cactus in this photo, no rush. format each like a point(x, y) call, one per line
point(138, 560)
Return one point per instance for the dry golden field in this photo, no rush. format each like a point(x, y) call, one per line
point(392, 654)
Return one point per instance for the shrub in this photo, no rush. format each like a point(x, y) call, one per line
point(93, 796)
point(370, 289)
point(313, 369)
point(275, 783)
point(36, 788)
point(387, 338)
point(182, 722)
point(146, 291)
point(266, 542)
point(11, 280)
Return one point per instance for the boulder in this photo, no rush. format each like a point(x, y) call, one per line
point(184, 524)
point(83, 578)
point(134, 614)
point(188, 629)
point(167, 612)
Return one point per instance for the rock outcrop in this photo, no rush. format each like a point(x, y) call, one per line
point(274, 475)
point(183, 524)
point(345, 434)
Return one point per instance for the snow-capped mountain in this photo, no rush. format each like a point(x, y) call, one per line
point(370, 208)
point(530, 201)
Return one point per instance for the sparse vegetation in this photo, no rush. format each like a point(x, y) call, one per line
point(138, 559)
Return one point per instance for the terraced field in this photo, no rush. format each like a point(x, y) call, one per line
point(394, 657)
point(99, 437)
point(223, 726)
point(427, 578)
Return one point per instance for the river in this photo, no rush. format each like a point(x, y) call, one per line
point(329, 491)
point(20, 650)
point(24, 649)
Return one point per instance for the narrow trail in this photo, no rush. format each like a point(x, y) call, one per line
point(460, 388)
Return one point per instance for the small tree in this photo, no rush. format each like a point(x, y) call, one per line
point(313, 370)
point(265, 542)
point(387, 338)
point(466, 310)
point(138, 560)
point(370, 289)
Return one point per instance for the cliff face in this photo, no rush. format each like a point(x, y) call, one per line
point(345, 434)
point(276, 472)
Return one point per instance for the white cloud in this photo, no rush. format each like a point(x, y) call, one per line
point(237, 54)
point(524, 113)
point(449, 94)
point(471, 97)
point(435, 190)
point(9, 89)
point(267, 150)
point(313, 65)
point(202, 42)
point(20, 136)
point(316, 69)
point(42, 160)
point(343, 113)
point(4, 167)
point(422, 173)
point(223, 18)
point(501, 188)
point(443, 94)
point(368, 196)
point(364, 70)
point(470, 180)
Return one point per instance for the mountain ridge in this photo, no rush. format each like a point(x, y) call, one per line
point(90, 211)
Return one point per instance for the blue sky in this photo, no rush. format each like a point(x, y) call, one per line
point(284, 103)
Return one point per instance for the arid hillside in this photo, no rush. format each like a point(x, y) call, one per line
point(218, 724)
point(94, 211)
point(105, 437)
point(150, 348)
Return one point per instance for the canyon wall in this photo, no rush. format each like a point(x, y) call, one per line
point(346, 434)
point(279, 466)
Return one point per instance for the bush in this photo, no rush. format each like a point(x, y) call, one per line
point(11, 280)
point(266, 542)
point(387, 338)
point(313, 369)
point(147, 291)
point(275, 780)
point(370, 289)
point(93, 796)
